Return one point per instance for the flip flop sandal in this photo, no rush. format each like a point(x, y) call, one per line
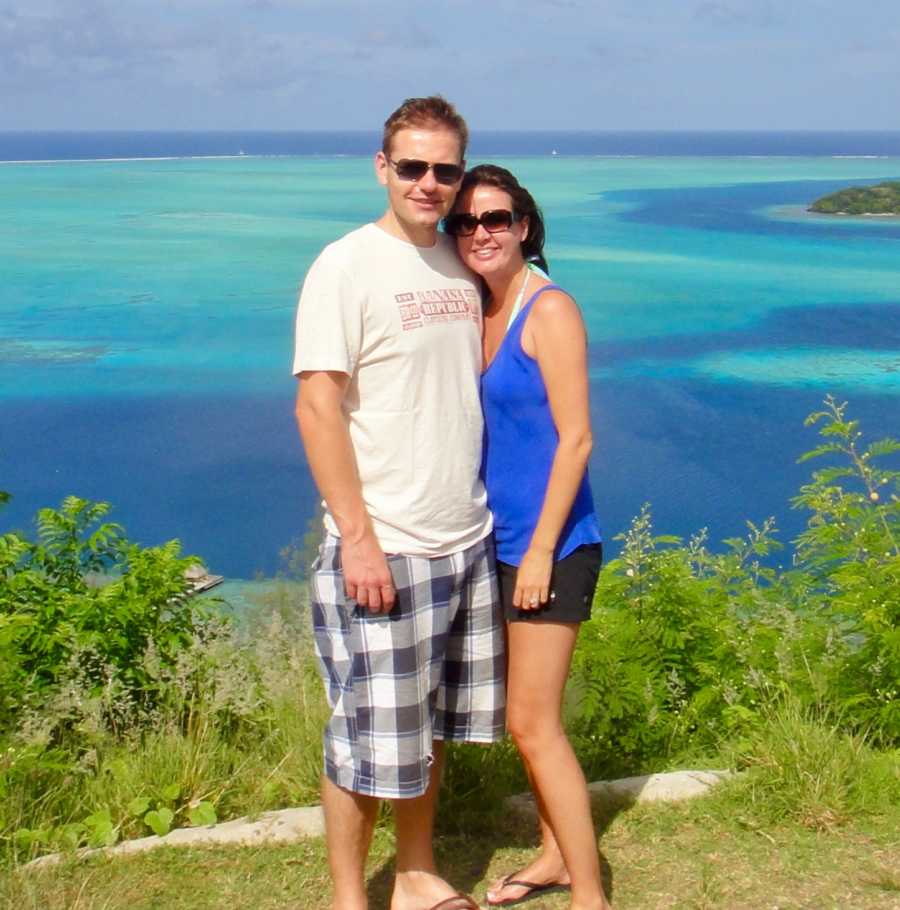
point(457, 902)
point(534, 888)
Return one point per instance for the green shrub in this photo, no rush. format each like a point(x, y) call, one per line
point(686, 647)
point(83, 601)
point(238, 731)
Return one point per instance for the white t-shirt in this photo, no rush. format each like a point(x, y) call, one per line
point(404, 322)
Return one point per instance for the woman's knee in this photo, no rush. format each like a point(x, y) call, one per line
point(530, 731)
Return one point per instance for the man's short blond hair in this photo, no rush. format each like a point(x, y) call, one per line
point(432, 112)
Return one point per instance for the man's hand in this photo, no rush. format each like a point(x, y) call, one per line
point(367, 578)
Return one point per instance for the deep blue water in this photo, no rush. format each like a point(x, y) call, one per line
point(738, 209)
point(873, 326)
point(67, 146)
point(702, 453)
point(226, 475)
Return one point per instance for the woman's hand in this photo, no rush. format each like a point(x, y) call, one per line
point(533, 579)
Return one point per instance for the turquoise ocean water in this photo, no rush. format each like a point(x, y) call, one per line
point(147, 310)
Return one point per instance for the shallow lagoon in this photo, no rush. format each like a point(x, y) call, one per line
point(147, 316)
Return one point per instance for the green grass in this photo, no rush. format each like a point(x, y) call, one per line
point(693, 856)
point(800, 766)
point(813, 821)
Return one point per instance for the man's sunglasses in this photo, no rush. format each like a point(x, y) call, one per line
point(464, 224)
point(414, 169)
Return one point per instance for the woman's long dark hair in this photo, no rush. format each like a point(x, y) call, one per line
point(524, 206)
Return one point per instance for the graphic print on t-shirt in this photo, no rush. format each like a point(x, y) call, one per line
point(439, 305)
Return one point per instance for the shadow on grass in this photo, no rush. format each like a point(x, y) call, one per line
point(464, 856)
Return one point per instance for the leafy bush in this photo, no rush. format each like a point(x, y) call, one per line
point(83, 601)
point(105, 662)
point(236, 729)
point(687, 648)
point(683, 647)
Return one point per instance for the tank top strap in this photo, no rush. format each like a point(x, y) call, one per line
point(523, 313)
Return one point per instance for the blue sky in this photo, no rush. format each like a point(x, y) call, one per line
point(555, 64)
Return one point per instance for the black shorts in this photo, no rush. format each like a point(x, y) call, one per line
point(572, 581)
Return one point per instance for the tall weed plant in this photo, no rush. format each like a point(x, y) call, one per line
point(801, 766)
point(850, 559)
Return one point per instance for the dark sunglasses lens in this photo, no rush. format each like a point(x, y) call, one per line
point(414, 169)
point(447, 174)
point(411, 169)
point(462, 225)
point(497, 220)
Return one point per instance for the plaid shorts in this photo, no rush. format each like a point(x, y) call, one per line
point(432, 668)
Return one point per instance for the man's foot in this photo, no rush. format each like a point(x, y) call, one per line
point(426, 891)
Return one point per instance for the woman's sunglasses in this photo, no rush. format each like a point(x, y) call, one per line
point(414, 169)
point(464, 224)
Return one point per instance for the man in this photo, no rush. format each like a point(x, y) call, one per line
point(403, 594)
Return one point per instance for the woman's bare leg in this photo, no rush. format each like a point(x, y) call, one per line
point(551, 864)
point(540, 654)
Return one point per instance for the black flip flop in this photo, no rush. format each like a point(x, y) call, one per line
point(534, 888)
point(457, 902)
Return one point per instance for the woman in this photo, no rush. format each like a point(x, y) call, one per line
point(537, 442)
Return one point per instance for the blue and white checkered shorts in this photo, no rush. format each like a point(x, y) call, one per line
point(432, 668)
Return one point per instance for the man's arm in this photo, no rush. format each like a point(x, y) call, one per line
point(326, 438)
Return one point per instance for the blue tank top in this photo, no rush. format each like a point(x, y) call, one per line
point(520, 441)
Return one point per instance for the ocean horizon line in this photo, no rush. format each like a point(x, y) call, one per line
point(33, 146)
point(337, 155)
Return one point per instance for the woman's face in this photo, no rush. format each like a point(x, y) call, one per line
point(485, 253)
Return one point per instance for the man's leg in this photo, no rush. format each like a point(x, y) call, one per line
point(349, 821)
point(470, 706)
point(417, 882)
point(349, 816)
point(470, 684)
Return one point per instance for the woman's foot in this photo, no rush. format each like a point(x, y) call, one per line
point(538, 876)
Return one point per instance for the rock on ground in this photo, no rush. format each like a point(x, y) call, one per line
point(648, 788)
point(291, 825)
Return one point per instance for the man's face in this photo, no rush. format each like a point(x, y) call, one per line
point(419, 205)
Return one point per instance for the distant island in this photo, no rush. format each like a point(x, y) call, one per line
point(883, 199)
